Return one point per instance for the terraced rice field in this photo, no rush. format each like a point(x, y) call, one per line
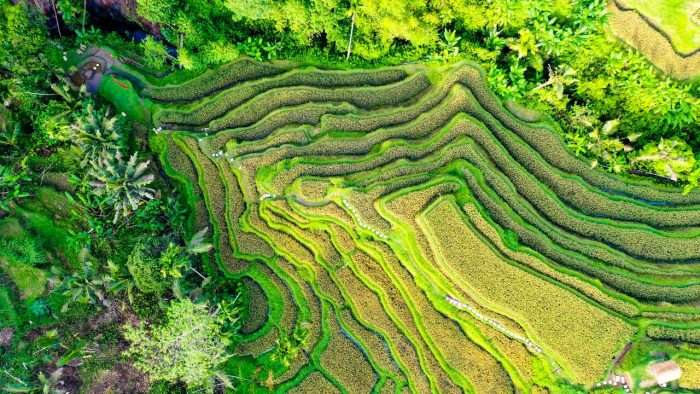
point(691, 376)
point(426, 238)
point(678, 20)
point(667, 32)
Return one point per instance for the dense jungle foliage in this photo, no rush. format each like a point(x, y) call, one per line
point(93, 235)
point(613, 106)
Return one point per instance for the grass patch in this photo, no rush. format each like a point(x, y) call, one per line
point(122, 94)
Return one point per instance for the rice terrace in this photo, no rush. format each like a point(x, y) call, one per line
point(422, 235)
point(668, 32)
point(268, 222)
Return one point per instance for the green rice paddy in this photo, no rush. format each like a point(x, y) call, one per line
point(424, 237)
point(679, 20)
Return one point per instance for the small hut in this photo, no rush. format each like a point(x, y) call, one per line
point(664, 372)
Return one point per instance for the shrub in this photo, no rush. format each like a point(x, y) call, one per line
point(8, 315)
point(188, 347)
point(145, 271)
point(155, 53)
point(12, 185)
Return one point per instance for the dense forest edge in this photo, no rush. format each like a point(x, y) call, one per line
point(106, 252)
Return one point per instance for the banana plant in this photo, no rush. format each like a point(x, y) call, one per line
point(607, 148)
point(10, 130)
point(450, 43)
point(123, 184)
point(197, 245)
point(288, 346)
point(92, 132)
point(175, 259)
point(87, 286)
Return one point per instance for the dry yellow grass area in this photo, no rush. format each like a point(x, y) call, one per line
point(690, 378)
point(636, 32)
point(582, 337)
